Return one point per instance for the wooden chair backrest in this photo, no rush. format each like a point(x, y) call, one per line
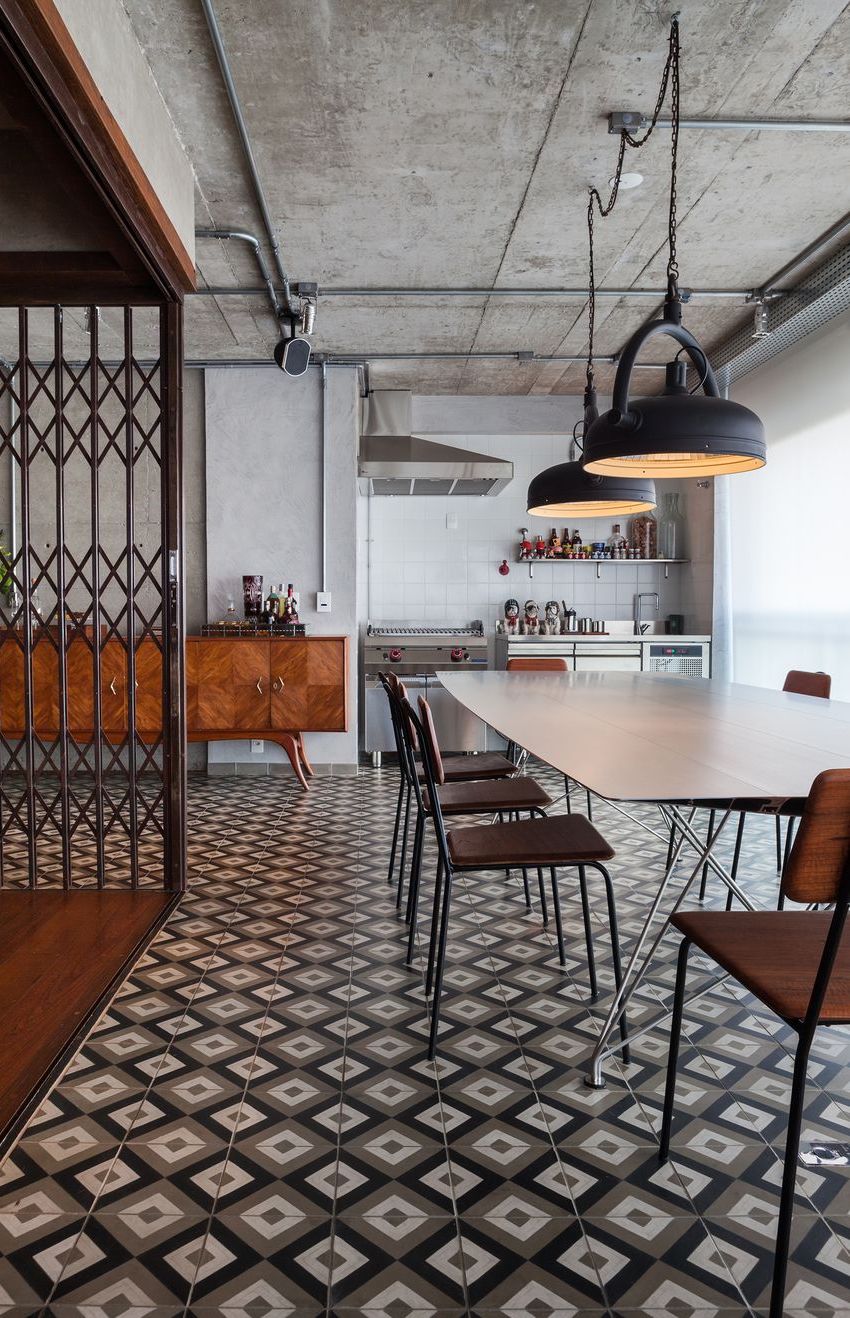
point(821, 851)
point(801, 683)
point(538, 664)
point(431, 738)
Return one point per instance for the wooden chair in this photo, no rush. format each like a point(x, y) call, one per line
point(459, 768)
point(489, 796)
point(547, 664)
point(554, 842)
point(796, 962)
point(799, 683)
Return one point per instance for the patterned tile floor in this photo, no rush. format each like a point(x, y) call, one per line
point(253, 1127)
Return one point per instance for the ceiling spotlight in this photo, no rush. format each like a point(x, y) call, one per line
point(627, 181)
point(761, 329)
point(292, 352)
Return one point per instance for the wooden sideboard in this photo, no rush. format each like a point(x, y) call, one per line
point(237, 689)
point(240, 688)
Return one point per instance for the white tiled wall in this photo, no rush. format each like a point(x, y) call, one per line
point(420, 569)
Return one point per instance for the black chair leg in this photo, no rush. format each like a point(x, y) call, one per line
point(588, 932)
point(435, 929)
point(440, 964)
point(789, 1176)
point(673, 1056)
point(705, 868)
point(778, 845)
point(736, 858)
point(613, 925)
point(559, 926)
point(526, 888)
point(415, 870)
point(589, 805)
point(542, 889)
point(569, 798)
point(671, 845)
point(396, 829)
point(405, 833)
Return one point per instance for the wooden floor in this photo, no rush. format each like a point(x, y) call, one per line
point(59, 954)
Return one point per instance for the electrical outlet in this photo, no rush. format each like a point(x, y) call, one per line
point(323, 601)
point(257, 746)
point(451, 521)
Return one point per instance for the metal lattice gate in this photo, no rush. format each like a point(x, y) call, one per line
point(92, 768)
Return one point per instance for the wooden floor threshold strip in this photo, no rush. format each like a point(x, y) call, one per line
point(62, 955)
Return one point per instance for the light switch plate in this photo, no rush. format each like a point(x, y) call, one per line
point(258, 746)
point(451, 521)
point(323, 601)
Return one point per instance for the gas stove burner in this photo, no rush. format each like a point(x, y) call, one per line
point(475, 628)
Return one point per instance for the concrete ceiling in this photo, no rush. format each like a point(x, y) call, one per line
point(445, 144)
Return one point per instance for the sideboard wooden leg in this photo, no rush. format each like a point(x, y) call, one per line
point(290, 745)
point(302, 754)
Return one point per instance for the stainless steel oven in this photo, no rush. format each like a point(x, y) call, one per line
point(417, 655)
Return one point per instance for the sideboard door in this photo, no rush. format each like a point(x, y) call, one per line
point(309, 685)
point(228, 686)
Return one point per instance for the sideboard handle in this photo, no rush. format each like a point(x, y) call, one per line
point(112, 687)
point(260, 685)
point(279, 684)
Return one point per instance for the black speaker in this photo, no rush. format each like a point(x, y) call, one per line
point(293, 355)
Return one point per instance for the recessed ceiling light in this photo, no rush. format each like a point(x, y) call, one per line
point(627, 181)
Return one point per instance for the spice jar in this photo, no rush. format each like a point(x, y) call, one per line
point(644, 536)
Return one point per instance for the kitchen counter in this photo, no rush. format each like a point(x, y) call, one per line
point(616, 638)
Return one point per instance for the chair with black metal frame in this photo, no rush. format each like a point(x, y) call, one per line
point(459, 768)
point(490, 796)
point(553, 842)
point(796, 962)
point(799, 683)
point(551, 663)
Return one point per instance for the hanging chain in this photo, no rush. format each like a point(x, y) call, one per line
point(669, 77)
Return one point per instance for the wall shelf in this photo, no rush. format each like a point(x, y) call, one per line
point(532, 563)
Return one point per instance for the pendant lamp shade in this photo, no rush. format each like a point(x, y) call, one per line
point(567, 490)
point(674, 434)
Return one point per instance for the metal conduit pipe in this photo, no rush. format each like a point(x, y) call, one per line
point(236, 108)
point(636, 120)
point(834, 233)
point(579, 294)
point(242, 235)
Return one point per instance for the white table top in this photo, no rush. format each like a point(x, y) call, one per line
point(657, 737)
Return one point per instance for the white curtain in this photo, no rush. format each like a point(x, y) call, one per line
point(789, 530)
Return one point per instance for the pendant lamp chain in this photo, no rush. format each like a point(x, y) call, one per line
point(670, 77)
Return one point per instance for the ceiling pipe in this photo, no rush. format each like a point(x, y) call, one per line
point(739, 295)
point(242, 129)
point(834, 234)
point(636, 120)
point(242, 235)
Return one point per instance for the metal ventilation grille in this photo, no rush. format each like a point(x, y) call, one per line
point(823, 295)
point(686, 665)
point(472, 487)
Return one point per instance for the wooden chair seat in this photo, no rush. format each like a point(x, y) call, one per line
point(555, 841)
point(469, 768)
point(774, 954)
point(495, 794)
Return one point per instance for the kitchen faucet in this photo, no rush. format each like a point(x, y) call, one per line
point(641, 627)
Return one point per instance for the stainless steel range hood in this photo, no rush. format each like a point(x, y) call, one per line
point(393, 461)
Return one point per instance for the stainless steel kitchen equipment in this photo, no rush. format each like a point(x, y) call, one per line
point(691, 660)
point(417, 654)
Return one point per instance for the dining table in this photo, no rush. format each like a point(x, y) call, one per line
point(678, 743)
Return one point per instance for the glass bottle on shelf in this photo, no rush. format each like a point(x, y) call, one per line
point(616, 542)
point(644, 535)
point(671, 528)
point(290, 611)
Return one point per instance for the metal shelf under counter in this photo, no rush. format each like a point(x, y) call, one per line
point(532, 563)
point(688, 655)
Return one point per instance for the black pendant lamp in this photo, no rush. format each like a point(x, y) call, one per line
point(675, 433)
point(567, 490)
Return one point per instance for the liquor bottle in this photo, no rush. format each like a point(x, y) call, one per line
point(290, 611)
point(275, 602)
point(616, 542)
point(576, 541)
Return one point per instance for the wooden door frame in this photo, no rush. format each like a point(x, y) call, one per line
point(34, 37)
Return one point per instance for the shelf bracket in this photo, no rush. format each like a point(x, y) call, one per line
point(598, 570)
point(666, 571)
point(530, 570)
